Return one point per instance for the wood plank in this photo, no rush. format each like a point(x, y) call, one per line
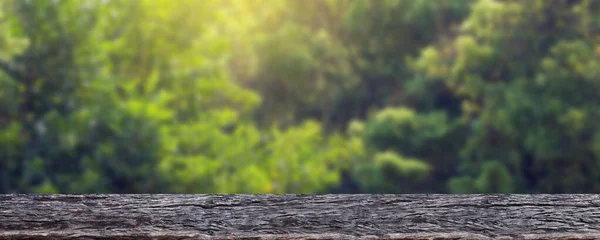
point(361, 216)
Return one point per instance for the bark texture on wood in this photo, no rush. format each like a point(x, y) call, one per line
point(299, 216)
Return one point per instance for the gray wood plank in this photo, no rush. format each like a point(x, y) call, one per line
point(361, 216)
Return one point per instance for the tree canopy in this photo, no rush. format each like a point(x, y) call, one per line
point(264, 96)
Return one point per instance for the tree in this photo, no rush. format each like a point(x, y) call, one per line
point(523, 71)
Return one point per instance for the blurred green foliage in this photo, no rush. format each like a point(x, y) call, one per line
point(265, 96)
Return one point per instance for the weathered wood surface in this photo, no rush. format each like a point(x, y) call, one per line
point(299, 216)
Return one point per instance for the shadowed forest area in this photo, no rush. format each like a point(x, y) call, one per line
point(324, 96)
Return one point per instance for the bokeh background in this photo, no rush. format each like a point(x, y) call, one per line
point(317, 96)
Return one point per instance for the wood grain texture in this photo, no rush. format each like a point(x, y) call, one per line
point(299, 216)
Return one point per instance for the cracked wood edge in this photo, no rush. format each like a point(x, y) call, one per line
point(332, 236)
point(289, 216)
